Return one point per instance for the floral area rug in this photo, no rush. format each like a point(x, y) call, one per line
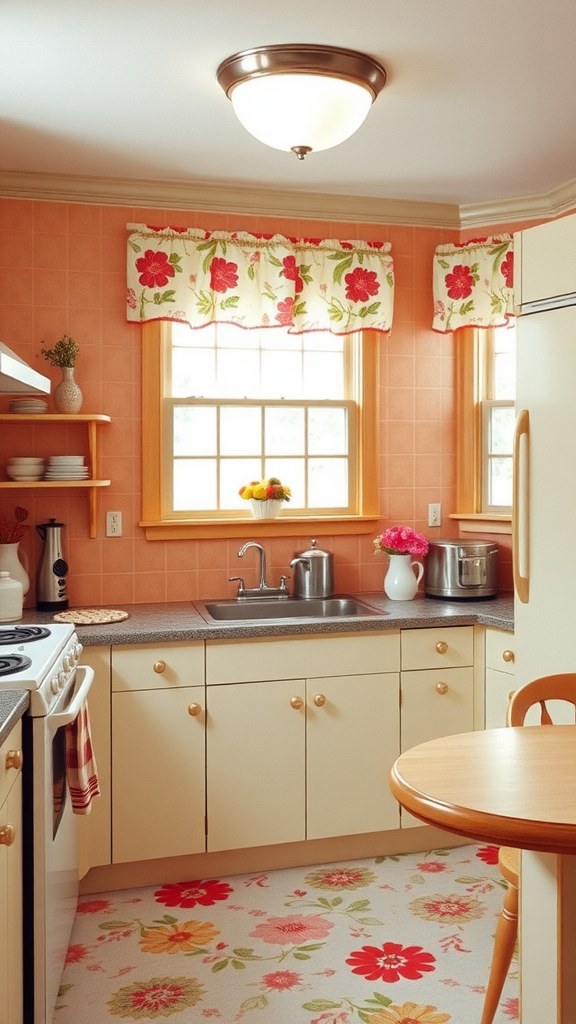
point(390, 940)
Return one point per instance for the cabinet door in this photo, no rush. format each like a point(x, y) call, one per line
point(547, 260)
point(499, 687)
point(255, 744)
point(158, 773)
point(434, 704)
point(353, 738)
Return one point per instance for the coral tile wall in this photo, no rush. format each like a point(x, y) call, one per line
point(62, 270)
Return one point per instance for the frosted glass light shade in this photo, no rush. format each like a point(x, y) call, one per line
point(292, 111)
point(301, 97)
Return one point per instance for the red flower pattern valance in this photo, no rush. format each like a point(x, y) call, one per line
point(310, 284)
point(473, 284)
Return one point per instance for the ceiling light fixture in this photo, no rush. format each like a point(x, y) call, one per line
point(301, 97)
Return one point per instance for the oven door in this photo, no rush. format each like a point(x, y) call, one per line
point(55, 836)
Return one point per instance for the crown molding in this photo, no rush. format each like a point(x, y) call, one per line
point(204, 196)
point(543, 206)
point(208, 197)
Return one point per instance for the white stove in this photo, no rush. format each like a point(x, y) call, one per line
point(41, 659)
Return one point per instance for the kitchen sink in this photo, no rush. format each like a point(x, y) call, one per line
point(258, 608)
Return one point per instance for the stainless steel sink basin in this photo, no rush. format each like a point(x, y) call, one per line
point(259, 608)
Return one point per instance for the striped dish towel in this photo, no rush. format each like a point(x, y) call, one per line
point(81, 770)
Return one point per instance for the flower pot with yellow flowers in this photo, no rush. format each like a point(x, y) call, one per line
point(266, 497)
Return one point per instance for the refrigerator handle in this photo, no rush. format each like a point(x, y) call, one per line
point(520, 510)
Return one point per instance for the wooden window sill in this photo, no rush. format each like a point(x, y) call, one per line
point(482, 522)
point(283, 526)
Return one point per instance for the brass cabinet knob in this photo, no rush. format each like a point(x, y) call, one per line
point(7, 835)
point(508, 655)
point(441, 647)
point(319, 700)
point(160, 666)
point(442, 688)
point(14, 759)
point(194, 709)
point(296, 702)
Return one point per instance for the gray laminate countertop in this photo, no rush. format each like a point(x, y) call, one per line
point(165, 622)
point(13, 704)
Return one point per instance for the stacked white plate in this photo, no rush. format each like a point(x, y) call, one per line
point(25, 468)
point(66, 467)
point(25, 406)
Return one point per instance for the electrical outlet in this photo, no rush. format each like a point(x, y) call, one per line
point(113, 524)
point(434, 514)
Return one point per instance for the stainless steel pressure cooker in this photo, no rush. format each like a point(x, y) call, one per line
point(464, 569)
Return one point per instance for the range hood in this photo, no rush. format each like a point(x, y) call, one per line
point(17, 378)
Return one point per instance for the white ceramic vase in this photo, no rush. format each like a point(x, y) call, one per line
point(268, 509)
point(10, 563)
point(400, 582)
point(67, 394)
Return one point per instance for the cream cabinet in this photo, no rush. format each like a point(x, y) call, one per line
point(158, 751)
point(11, 878)
point(437, 687)
point(499, 675)
point(304, 757)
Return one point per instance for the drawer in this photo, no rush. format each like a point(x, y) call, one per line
point(157, 666)
point(242, 661)
point(8, 775)
point(450, 647)
point(500, 650)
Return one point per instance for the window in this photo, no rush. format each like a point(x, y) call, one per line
point(223, 406)
point(485, 367)
point(498, 419)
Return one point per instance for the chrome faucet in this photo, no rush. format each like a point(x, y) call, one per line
point(262, 590)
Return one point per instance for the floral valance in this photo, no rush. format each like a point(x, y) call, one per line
point(473, 284)
point(309, 284)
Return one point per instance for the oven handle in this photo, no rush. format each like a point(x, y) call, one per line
point(57, 720)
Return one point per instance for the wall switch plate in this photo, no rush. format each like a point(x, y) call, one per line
point(113, 524)
point(435, 514)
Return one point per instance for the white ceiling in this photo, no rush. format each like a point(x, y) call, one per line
point(478, 106)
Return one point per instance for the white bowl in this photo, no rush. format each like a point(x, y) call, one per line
point(30, 475)
point(24, 460)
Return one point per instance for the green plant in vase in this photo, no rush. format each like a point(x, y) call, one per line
point(67, 394)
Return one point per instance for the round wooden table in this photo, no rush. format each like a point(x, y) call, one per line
point(513, 787)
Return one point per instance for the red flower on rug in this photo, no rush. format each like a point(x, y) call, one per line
point(94, 907)
point(489, 854)
point(76, 953)
point(294, 928)
point(431, 867)
point(188, 894)
point(280, 981)
point(391, 961)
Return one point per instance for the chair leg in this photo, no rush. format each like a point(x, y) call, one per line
point(504, 943)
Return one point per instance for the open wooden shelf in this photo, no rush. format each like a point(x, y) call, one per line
point(92, 484)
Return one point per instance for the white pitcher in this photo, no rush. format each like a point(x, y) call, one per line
point(400, 582)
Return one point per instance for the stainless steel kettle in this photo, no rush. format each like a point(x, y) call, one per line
point(313, 573)
point(51, 585)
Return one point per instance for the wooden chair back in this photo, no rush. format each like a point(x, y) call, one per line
point(538, 691)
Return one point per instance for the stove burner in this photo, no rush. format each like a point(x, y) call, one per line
point(14, 635)
point(12, 663)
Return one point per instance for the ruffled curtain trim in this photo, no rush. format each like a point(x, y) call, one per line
point(254, 281)
point(473, 284)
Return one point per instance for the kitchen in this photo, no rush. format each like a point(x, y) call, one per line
point(83, 293)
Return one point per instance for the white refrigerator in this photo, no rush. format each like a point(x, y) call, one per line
point(544, 560)
point(544, 533)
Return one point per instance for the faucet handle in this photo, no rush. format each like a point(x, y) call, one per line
point(241, 584)
point(283, 586)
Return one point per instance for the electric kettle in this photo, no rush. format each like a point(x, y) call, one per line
point(51, 586)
